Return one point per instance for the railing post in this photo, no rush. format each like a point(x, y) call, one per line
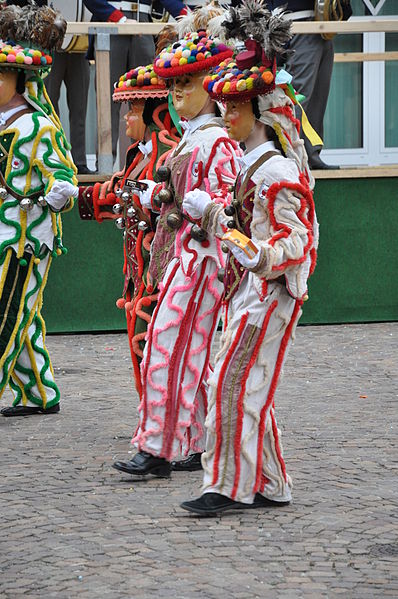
point(103, 84)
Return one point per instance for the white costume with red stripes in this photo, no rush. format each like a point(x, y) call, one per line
point(243, 451)
point(176, 356)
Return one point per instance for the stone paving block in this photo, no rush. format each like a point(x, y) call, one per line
point(72, 527)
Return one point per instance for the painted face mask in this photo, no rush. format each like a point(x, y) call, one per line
point(8, 85)
point(135, 126)
point(189, 97)
point(239, 120)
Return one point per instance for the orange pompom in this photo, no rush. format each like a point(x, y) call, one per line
point(267, 77)
point(129, 306)
point(120, 303)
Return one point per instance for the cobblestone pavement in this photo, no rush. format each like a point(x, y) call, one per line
point(71, 526)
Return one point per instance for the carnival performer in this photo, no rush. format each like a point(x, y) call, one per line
point(271, 231)
point(149, 123)
point(37, 182)
point(185, 262)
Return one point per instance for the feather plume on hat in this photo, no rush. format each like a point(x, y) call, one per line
point(253, 20)
point(200, 18)
point(42, 27)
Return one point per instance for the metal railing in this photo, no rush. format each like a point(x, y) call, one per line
point(103, 31)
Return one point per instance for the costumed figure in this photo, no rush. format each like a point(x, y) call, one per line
point(185, 262)
point(37, 182)
point(149, 122)
point(271, 232)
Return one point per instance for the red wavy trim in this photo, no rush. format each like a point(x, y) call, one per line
point(144, 402)
point(271, 393)
point(244, 379)
point(278, 447)
point(224, 368)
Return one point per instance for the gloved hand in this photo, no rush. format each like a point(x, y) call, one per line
point(195, 203)
point(146, 196)
point(242, 257)
point(60, 193)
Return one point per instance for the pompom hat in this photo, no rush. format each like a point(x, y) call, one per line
point(195, 52)
point(14, 55)
point(28, 36)
point(141, 82)
point(253, 71)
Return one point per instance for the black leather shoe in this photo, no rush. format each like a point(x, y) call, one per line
point(261, 501)
point(28, 410)
point(213, 503)
point(82, 169)
point(318, 164)
point(190, 464)
point(145, 463)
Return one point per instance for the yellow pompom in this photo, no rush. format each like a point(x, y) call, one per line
point(59, 251)
point(37, 260)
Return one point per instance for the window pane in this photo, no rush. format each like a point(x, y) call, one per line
point(390, 7)
point(391, 74)
point(343, 118)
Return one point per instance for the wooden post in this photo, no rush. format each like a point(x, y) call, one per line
point(103, 84)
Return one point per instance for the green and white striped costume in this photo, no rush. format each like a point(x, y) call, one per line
point(34, 156)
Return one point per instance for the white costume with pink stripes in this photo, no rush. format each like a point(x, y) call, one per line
point(176, 356)
point(243, 451)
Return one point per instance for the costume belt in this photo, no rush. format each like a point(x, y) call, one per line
point(132, 7)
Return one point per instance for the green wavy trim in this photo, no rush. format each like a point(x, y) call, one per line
point(9, 222)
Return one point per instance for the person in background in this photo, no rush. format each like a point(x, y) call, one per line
point(311, 65)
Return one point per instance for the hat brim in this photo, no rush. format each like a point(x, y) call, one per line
point(243, 96)
point(140, 93)
point(194, 67)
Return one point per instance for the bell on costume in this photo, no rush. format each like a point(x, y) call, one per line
point(163, 173)
point(117, 208)
point(164, 196)
point(120, 222)
point(198, 233)
point(26, 204)
point(221, 275)
point(41, 201)
point(174, 220)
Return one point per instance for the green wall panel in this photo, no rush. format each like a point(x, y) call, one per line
point(356, 276)
point(84, 284)
point(355, 280)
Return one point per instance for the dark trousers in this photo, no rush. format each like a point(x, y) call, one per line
point(311, 67)
point(126, 53)
point(74, 70)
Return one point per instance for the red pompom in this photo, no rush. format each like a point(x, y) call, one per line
point(120, 303)
point(129, 306)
